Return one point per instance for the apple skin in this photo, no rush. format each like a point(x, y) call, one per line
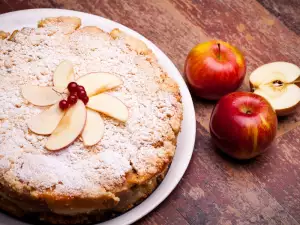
point(212, 72)
point(243, 125)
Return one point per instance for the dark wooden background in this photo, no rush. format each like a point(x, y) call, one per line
point(215, 189)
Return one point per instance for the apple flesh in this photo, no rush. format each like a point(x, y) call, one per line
point(95, 83)
point(69, 128)
point(41, 96)
point(243, 125)
point(64, 74)
point(94, 128)
point(214, 69)
point(278, 83)
point(110, 106)
point(46, 122)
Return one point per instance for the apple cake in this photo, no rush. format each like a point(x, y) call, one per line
point(94, 158)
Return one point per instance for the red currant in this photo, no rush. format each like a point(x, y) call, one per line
point(85, 99)
point(81, 94)
point(63, 104)
point(80, 88)
point(72, 87)
point(72, 99)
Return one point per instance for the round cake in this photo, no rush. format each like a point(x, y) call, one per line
point(97, 155)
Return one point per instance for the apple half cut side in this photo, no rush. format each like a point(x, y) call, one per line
point(41, 96)
point(94, 128)
point(109, 105)
point(94, 83)
point(69, 128)
point(277, 82)
point(46, 122)
point(64, 74)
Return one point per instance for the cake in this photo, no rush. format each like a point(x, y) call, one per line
point(96, 159)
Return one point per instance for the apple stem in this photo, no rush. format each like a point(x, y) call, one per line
point(297, 81)
point(219, 47)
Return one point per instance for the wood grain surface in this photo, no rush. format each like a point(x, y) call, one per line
point(216, 189)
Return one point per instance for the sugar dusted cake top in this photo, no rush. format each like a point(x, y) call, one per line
point(142, 146)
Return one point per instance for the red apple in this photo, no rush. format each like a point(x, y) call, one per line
point(243, 125)
point(214, 69)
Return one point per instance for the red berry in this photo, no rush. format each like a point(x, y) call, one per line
point(81, 94)
point(80, 88)
point(63, 104)
point(72, 99)
point(85, 99)
point(72, 87)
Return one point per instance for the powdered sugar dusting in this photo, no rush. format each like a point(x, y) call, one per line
point(32, 58)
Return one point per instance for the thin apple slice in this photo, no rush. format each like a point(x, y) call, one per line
point(69, 128)
point(41, 96)
point(46, 122)
point(64, 74)
point(94, 128)
point(109, 105)
point(94, 83)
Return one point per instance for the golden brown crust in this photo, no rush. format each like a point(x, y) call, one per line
point(60, 21)
point(12, 36)
point(90, 30)
point(133, 43)
point(4, 35)
point(137, 186)
point(40, 211)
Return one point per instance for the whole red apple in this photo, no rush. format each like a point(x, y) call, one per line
point(243, 124)
point(214, 69)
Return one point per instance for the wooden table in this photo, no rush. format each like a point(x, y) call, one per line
point(215, 189)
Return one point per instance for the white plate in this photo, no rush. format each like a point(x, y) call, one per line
point(186, 139)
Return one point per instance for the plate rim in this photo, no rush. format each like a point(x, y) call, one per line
point(189, 117)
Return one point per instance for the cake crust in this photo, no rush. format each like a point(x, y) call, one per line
point(84, 184)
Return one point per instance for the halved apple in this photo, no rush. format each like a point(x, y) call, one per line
point(46, 122)
point(41, 96)
point(94, 128)
point(277, 82)
point(94, 83)
point(69, 128)
point(109, 105)
point(64, 74)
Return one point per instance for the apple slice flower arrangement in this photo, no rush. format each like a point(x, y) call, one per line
point(65, 120)
point(242, 124)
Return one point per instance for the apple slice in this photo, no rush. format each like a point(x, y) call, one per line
point(46, 122)
point(64, 74)
point(276, 82)
point(94, 83)
point(109, 105)
point(69, 128)
point(94, 128)
point(41, 96)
